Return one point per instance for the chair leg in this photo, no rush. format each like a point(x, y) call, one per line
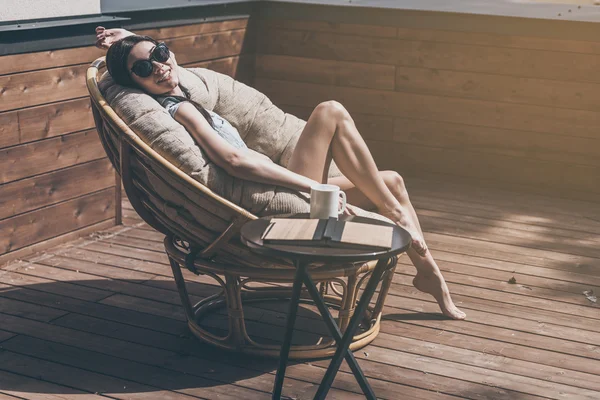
point(181, 288)
point(383, 292)
point(349, 302)
point(323, 288)
point(235, 310)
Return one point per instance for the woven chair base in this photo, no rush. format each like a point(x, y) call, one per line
point(239, 340)
point(339, 291)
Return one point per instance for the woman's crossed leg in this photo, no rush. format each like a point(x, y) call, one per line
point(330, 133)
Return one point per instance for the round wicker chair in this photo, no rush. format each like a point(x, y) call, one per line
point(202, 233)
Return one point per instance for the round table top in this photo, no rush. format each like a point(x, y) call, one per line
point(252, 231)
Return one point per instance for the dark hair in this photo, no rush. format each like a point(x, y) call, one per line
point(116, 63)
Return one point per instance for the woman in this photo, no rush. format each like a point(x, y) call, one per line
point(330, 133)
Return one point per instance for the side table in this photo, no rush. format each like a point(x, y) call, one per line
point(302, 257)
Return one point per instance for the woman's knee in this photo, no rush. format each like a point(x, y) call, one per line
point(333, 110)
point(395, 183)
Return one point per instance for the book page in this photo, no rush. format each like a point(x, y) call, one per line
point(291, 229)
point(367, 234)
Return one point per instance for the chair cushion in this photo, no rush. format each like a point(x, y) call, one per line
point(264, 127)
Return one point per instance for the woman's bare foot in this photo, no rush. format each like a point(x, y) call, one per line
point(402, 220)
point(106, 37)
point(435, 285)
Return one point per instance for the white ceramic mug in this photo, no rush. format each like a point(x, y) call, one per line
point(324, 201)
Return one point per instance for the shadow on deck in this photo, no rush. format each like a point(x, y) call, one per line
point(101, 316)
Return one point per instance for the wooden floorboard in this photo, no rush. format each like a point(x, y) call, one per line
point(100, 317)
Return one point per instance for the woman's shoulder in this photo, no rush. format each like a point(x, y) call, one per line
point(170, 103)
point(167, 100)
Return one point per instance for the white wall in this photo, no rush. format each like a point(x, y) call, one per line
point(20, 10)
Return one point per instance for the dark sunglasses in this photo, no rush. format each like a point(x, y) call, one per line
point(144, 68)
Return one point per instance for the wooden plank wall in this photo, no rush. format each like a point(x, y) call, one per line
point(515, 111)
point(55, 180)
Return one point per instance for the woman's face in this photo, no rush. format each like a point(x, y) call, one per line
point(163, 78)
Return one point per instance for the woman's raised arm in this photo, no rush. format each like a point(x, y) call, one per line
point(106, 37)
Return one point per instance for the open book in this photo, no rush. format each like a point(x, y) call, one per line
point(328, 232)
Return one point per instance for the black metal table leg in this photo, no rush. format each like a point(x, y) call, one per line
point(252, 233)
point(344, 344)
point(289, 330)
point(337, 335)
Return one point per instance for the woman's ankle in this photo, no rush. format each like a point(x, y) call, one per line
point(392, 210)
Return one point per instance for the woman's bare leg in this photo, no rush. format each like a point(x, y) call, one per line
point(429, 278)
point(329, 133)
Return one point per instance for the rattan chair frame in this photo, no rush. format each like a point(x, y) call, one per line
point(206, 241)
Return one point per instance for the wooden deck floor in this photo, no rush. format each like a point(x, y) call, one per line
point(100, 317)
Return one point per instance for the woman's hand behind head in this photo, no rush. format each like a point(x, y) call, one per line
point(106, 37)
